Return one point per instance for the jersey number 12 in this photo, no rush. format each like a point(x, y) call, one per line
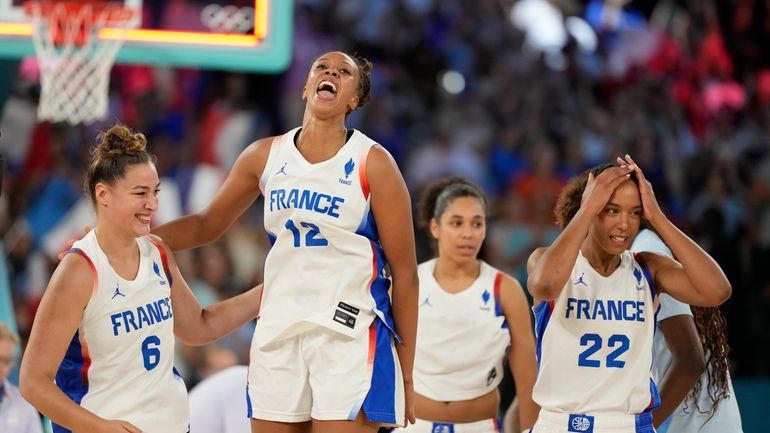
point(313, 236)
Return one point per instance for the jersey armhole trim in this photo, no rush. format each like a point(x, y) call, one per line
point(647, 275)
point(266, 171)
point(362, 172)
point(164, 261)
point(496, 290)
point(81, 253)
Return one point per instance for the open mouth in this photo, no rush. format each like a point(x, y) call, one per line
point(618, 238)
point(326, 89)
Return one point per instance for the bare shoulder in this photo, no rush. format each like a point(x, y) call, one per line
point(258, 151)
point(73, 276)
point(380, 162)
point(657, 261)
point(511, 290)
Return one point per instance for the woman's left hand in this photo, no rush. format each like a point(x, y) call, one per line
point(650, 208)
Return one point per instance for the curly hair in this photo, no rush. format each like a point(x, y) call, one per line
point(712, 329)
point(571, 195)
point(116, 149)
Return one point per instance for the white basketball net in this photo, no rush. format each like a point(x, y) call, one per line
point(75, 74)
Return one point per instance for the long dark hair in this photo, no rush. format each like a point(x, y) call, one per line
point(712, 329)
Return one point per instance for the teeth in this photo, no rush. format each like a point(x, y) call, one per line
point(322, 83)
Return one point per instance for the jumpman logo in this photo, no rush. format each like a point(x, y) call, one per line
point(426, 302)
point(282, 170)
point(580, 280)
point(117, 291)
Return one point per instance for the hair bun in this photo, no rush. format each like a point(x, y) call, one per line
point(120, 140)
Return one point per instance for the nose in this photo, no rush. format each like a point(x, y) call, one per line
point(152, 202)
point(467, 232)
point(332, 72)
point(623, 220)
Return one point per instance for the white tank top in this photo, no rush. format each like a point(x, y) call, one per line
point(594, 342)
point(326, 264)
point(461, 337)
point(119, 364)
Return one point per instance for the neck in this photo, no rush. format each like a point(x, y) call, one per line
point(604, 263)
point(448, 268)
point(114, 243)
point(322, 132)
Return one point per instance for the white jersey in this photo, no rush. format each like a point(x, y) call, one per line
point(119, 364)
point(325, 266)
point(594, 342)
point(686, 418)
point(462, 337)
point(217, 404)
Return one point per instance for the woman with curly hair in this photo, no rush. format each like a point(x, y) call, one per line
point(690, 363)
point(595, 302)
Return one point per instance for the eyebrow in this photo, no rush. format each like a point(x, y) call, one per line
point(609, 203)
point(142, 187)
point(326, 59)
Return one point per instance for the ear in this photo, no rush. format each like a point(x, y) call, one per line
point(100, 193)
point(434, 228)
point(304, 93)
point(353, 104)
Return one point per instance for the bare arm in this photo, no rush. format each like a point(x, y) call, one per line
point(550, 269)
point(239, 191)
point(194, 325)
point(392, 210)
point(56, 322)
point(696, 279)
point(521, 357)
point(687, 364)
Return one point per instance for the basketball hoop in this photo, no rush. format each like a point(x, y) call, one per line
point(74, 60)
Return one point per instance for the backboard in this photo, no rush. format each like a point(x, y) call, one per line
point(237, 35)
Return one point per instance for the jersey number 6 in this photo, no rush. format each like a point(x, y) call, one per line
point(150, 352)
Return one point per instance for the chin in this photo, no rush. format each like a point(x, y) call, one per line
point(142, 231)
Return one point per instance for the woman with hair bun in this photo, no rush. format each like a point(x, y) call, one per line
point(472, 316)
point(105, 328)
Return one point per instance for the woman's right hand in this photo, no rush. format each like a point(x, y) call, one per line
point(599, 189)
point(70, 242)
point(118, 426)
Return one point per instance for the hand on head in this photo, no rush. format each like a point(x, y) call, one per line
point(650, 207)
point(599, 189)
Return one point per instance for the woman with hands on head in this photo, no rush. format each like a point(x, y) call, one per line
point(105, 327)
point(472, 317)
point(324, 355)
point(596, 301)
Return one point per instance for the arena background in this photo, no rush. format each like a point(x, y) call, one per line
point(515, 95)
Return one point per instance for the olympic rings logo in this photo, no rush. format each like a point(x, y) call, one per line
point(228, 19)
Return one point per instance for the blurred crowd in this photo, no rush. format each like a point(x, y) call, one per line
point(461, 87)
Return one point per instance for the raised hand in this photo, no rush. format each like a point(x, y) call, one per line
point(650, 208)
point(599, 189)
